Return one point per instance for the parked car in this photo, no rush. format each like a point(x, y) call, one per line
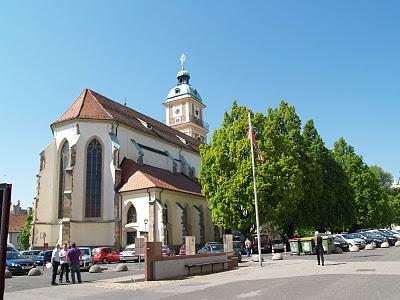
point(340, 242)
point(28, 253)
point(391, 232)
point(129, 254)
point(371, 239)
point(18, 264)
point(182, 250)
point(105, 255)
point(218, 248)
point(239, 246)
point(352, 240)
point(212, 248)
point(87, 259)
point(278, 245)
point(10, 247)
point(390, 238)
point(44, 257)
point(168, 250)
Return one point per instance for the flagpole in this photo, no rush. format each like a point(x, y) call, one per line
point(255, 193)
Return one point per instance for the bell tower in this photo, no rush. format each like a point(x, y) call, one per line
point(184, 107)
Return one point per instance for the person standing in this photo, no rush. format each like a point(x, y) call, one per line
point(55, 262)
point(74, 255)
point(248, 245)
point(64, 263)
point(319, 249)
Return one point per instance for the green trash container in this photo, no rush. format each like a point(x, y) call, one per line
point(327, 244)
point(295, 246)
point(308, 245)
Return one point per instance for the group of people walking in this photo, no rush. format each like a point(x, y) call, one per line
point(69, 259)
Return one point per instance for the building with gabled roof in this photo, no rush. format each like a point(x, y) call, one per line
point(111, 174)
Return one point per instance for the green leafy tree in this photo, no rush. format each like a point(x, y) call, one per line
point(370, 202)
point(385, 178)
point(328, 199)
point(26, 232)
point(283, 185)
point(226, 171)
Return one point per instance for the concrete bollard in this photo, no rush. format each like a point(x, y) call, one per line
point(397, 244)
point(277, 256)
point(95, 269)
point(369, 247)
point(34, 272)
point(121, 268)
point(7, 274)
point(385, 245)
point(354, 249)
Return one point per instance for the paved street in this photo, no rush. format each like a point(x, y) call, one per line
point(365, 275)
point(23, 282)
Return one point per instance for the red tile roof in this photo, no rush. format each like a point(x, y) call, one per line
point(137, 177)
point(91, 105)
point(16, 223)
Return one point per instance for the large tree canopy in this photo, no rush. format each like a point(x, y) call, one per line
point(300, 184)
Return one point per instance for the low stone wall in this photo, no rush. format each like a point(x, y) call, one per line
point(174, 266)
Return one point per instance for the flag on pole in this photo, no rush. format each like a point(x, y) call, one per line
point(252, 138)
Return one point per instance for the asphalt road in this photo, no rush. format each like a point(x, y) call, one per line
point(25, 282)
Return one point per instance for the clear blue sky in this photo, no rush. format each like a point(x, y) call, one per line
point(337, 62)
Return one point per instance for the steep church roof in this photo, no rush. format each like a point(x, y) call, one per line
point(137, 177)
point(92, 105)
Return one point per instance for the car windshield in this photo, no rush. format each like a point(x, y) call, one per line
point(14, 255)
point(339, 238)
point(237, 244)
point(277, 242)
point(85, 251)
point(346, 236)
point(351, 236)
point(217, 247)
point(129, 249)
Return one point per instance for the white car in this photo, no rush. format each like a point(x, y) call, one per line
point(129, 254)
point(352, 240)
point(87, 260)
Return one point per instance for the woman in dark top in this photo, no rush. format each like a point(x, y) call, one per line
point(319, 249)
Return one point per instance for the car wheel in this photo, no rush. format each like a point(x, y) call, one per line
point(104, 260)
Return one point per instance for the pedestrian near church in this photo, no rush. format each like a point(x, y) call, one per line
point(55, 262)
point(64, 263)
point(319, 249)
point(248, 245)
point(74, 255)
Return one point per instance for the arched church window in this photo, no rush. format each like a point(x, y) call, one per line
point(93, 179)
point(64, 162)
point(131, 216)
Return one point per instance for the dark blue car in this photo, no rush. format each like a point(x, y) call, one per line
point(17, 264)
point(44, 256)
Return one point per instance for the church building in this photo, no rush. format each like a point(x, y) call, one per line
point(111, 174)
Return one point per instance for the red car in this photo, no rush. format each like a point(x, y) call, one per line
point(105, 255)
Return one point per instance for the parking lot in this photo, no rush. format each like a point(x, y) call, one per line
point(24, 282)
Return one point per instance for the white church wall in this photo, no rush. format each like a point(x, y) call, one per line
point(87, 131)
point(171, 198)
point(140, 200)
point(93, 234)
point(47, 186)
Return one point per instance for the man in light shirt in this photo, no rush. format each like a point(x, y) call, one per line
point(64, 263)
point(55, 262)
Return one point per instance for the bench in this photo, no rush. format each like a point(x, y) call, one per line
point(201, 265)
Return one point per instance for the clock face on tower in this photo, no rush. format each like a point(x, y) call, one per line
point(177, 111)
